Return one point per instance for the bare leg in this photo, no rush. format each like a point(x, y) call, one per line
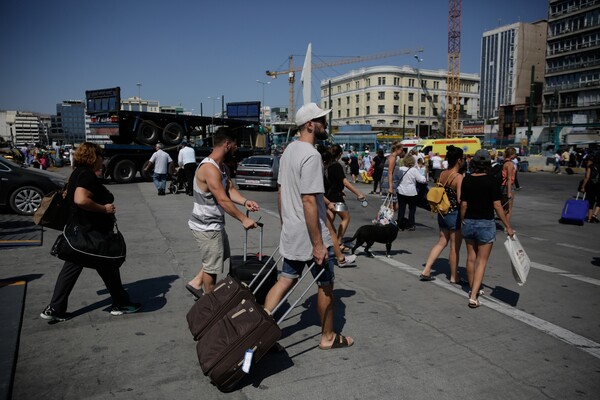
point(204, 281)
point(277, 292)
point(325, 308)
point(435, 251)
point(455, 243)
point(345, 216)
point(471, 257)
point(483, 254)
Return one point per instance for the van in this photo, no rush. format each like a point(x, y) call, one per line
point(409, 144)
point(470, 145)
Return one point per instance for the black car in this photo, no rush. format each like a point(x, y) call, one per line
point(22, 188)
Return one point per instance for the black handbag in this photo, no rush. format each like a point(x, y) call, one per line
point(53, 210)
point(90, 248)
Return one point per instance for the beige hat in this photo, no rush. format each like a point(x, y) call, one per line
point(308, 112)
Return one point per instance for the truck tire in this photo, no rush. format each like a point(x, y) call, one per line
point(147, 133)
point(146, 175)
point(124, 171)
point(173, 134)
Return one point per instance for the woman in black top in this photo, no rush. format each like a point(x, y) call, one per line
point(378, 164)
point(591, 187)
point(480, 196)
point(92, 207)
point(334, 192)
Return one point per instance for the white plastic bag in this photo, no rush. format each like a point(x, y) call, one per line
point(519, 260)
point(385, 215)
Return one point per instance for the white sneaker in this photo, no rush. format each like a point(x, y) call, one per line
point(348, 260)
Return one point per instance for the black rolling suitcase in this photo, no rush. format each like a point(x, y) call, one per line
point(246, 268)
point(231, 345)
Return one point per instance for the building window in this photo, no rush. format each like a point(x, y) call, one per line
point(339, 113)
point(381, 80)
point(436, 84)
point(423, 97)
point(357, 112)
point(411, 110)
point(368, 111)
point(357, 84)
point(348, 86)
point(339, 102)
point(423, 83)
point(396, 95)
point(396, 122)
point(422, 110)
point(396, 81)
point(347, 112)
point(435, 98)
point(347, 99)
point(411, 97)
point(339, 88)
point(368, 96)
point(380, 95)
point(381, 109)
point(368, 82)
point(435, 111)
point(411, 82)
point(357, 98)
point(396, 109)
point(380, 121)
point(324, 92)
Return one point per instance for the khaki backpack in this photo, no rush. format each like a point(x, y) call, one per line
point(439, 202)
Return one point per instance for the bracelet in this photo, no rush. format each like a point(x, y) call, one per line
point(245, 201)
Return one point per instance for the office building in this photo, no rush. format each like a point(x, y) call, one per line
point(69, 123)
point(572, 77)
point(390, 98)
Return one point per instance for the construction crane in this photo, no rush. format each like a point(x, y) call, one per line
point(291, 71)
point(453, 79)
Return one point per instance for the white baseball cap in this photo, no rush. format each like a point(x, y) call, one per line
point(309, 112)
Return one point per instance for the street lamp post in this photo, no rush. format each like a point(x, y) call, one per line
point(419, 61)
point(213, 113)
point(263, 100)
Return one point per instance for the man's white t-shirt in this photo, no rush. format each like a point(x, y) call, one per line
point(436, 162)
point(187, 155)
point(160, 160)
point(300, 172)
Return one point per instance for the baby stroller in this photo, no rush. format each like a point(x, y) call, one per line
point(178, 181)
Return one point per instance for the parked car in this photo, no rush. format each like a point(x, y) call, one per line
point(258, 171)
point(22, 188)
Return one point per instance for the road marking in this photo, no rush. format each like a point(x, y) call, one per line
point(565, 335)
point(566, 274)
point(572, 246)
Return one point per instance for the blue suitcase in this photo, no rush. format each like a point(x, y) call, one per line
point(575, 211)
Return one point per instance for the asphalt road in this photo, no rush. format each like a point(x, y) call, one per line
point(414, 340)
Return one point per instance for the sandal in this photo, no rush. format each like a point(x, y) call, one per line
point(344, 249)
point(474, 303)
point(426, 278)
point(339, 342)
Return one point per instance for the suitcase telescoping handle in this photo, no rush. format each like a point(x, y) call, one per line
point(313, 265)
point(266, 276)
point(578, 193)
point(260, 240)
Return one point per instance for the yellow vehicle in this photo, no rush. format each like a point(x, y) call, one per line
point(470, 145)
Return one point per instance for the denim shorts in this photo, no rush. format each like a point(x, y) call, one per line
point(450, 221)
point(480, 230)
point(292, 269)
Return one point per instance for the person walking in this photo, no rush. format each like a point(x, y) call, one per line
point(215, 195)
point(391, 174)
point(508, 181)
point(449, 224)
point(591, 187)
point(436, 166)
point(378, 164)
point(186, 159)
point(92, 206)
point(304, 234)
point(557, 158)
point(480, 197)
point(160, 161)
point(354, 166)
point(407, 192)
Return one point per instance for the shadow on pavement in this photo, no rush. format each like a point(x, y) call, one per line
point(150, 292)
point(27, 278)
point(505, 295)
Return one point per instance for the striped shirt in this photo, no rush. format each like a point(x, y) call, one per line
point(207, 214)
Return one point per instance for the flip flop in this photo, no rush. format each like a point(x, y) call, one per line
point(426, 278)
point(196, 292)
point(339, 342)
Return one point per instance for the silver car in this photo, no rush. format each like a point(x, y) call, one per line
point(258, 171)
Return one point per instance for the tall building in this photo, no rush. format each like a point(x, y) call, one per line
point(507, 56)
point(390, 98)
point(572, 79)
point(69, 125)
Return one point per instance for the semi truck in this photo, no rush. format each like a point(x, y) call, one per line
point(134, 133)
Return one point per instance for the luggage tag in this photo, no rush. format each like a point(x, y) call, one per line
point(247, 360)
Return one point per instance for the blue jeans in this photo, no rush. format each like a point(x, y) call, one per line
point(160, 181)
point(292, 269)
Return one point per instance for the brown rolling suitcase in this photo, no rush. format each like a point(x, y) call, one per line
point(244, 333)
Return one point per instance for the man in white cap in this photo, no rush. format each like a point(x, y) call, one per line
point(304, 234)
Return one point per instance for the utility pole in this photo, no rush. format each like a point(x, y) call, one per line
point(530, 109)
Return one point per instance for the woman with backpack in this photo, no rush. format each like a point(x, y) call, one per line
point(591, 187)
point(480, 197)
point(449, 224)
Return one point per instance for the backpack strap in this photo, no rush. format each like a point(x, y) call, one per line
point(447, 179)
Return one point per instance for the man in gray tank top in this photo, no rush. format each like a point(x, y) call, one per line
point(215, 195)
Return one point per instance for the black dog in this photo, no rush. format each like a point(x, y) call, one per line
point(370, 234)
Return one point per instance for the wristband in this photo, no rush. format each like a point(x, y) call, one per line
point(245, 201)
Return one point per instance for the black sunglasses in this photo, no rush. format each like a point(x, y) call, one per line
point(322, 120)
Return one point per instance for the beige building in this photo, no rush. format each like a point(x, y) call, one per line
point(390, 98)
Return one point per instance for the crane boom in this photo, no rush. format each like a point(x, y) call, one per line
point(291, 71)
point(453, 80)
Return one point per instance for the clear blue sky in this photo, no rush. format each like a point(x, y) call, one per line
point(183, 51)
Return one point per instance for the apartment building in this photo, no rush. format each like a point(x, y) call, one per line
point(572, 76)
point(508, 54)
point(396, 98)
point(20, 127)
